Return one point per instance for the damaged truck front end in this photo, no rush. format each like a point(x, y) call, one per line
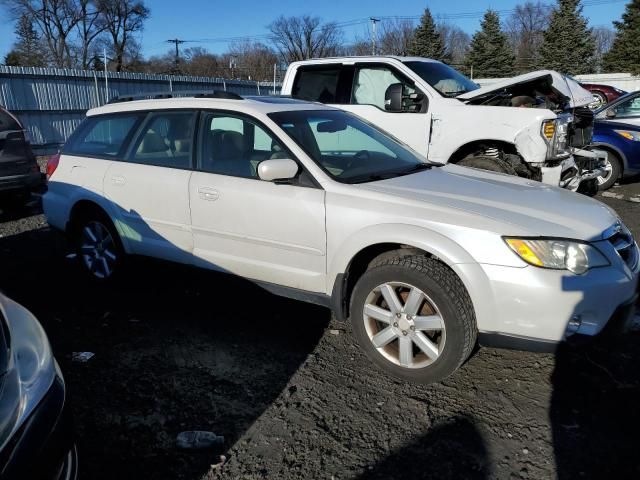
point(570, 160)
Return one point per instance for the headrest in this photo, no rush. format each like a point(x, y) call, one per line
point(152, 143)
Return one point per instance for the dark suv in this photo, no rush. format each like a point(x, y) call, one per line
point(19, 171)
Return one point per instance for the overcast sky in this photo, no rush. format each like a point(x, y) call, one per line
point(209, 21)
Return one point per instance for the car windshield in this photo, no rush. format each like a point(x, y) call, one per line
point(446, 80)
point(347, 148)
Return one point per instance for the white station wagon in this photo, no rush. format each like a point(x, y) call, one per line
point(317, 204)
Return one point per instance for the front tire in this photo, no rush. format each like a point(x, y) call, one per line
point(413, 318)
point(98, 247)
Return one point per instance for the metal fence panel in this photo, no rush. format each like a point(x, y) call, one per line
point(51, 102)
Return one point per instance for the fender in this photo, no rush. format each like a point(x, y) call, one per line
point(444, 248)
point(456, 127)
point(452, 254)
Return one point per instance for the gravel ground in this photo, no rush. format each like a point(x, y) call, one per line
point(182, 349)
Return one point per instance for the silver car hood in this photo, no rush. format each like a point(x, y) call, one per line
point(533, 207)
point(578, 96)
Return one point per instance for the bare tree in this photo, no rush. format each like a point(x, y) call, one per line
point(123, 18)
point(456, 42)
point(200, 62)
point(90, 26)
point(525, 27)
point(396, 37)
point(55, 20)
point(300, 38)
point(254, 60)
point(604, 37)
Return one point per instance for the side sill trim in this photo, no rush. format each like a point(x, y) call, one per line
point(514, 342)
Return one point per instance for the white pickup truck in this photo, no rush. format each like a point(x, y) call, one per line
point(446, 117)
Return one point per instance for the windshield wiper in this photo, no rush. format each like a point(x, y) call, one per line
point(372, 177)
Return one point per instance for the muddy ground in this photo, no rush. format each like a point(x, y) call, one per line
point(180, 349)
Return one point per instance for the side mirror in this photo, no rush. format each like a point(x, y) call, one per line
point(393, 98)
point(610, 113)
point(277, 169)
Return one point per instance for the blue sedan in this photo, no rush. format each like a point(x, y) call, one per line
point(617, 130)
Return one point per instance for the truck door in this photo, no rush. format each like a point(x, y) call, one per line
point(361, 89)
point(370, 83)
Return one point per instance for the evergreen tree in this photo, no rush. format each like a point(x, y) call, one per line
point(12, 59)
point(568, 45)
point(427, 41)
point(624, 55)
point(490, 54)
point(27, 50)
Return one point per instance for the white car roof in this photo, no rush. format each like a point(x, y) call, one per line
point(367, 58)
point(248, 104)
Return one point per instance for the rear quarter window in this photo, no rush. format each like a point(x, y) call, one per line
point(103, 136)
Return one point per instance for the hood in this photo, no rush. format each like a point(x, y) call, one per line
point(522, 207)
point(567, 87)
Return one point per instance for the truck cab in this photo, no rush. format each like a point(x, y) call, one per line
point(446, 117)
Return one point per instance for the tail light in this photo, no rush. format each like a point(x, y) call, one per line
point(52, 164)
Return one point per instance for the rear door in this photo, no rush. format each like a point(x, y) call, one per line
point(150, 188)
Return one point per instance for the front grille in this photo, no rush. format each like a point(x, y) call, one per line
point(586, 163)
point(581, 130)
point(626, 247)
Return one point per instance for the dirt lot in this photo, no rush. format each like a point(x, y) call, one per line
point(179, 349)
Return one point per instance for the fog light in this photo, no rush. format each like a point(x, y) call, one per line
point(574, 325)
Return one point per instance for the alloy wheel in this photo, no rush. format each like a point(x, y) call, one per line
point(404, 325)
point(608, 171)
point(97, 249)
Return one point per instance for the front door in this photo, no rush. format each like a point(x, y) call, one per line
point(370, 83)
point(256, 229)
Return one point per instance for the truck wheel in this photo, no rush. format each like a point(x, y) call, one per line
point(613, 170)
point(488, 163)
point(98, 246)
point(413, 318)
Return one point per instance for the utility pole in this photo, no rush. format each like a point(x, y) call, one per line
point(176, 67)
point(374, 33)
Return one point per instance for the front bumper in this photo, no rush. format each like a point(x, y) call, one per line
point(29, 181)
point(535, 308)
point(582, 166)
point(43, 448)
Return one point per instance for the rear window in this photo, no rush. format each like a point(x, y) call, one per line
point(317, 84)
point(103, 135)
point(7, 122)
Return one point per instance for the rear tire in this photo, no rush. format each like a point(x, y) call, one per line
point(97, 246)
point(488, 163)
point(614, 171)
point(413, 318)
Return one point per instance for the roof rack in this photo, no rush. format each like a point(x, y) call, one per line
point(177, 94)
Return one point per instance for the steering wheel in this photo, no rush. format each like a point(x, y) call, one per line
point(358, 157)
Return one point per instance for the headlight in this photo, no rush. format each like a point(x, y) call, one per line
point(555, 132)
point(577, 257)
point(629, 135)
point(31, 369)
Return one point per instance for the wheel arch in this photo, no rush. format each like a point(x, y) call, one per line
point(353, 259)
point(84, 206)
point(616, 151)
point(473, 146)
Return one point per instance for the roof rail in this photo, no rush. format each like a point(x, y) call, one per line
point(177, 94)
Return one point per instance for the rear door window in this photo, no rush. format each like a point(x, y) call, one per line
point(103, 136)
point(317, 84)
point(166, 140)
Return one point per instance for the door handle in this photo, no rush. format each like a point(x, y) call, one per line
point(208, 193)
point(118, 180)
